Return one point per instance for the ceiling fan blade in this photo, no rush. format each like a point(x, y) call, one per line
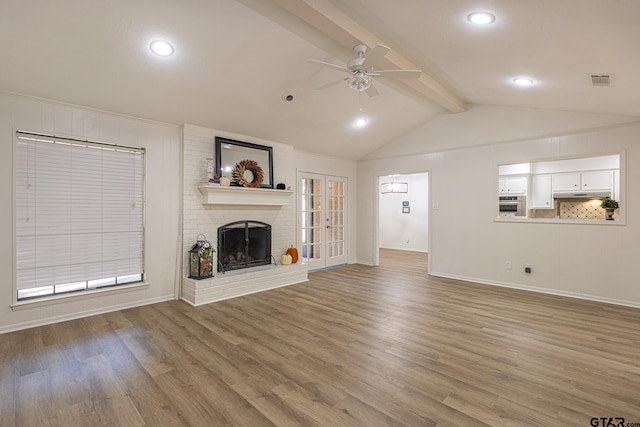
point(328, 65)
point(328, 85)
point(375, 56)
point(397, 74)
point(372, 91)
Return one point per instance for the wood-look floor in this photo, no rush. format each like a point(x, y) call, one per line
point(357, 345)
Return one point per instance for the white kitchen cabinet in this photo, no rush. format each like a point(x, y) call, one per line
point(541, 194)
point(599, 180)
point(566, 182)
point(516, 185)
point(585, 181)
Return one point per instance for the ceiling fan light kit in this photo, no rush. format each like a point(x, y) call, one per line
point(359, 81)
point(362, 69)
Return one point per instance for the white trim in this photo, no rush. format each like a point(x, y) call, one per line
point(325, 260)
point(404, 249)
point(221, 195)
point(81, 314)
point(327, 268)
point(376, 228)
point(526, 220)
point(555, 292)
point(73, 296)
point(14, 280)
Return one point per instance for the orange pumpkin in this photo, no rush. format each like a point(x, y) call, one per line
point(294, 254)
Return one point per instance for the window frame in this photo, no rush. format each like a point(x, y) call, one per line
point(87, 292)
point(622, 169)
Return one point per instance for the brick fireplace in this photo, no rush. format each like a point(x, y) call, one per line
point(207, 208)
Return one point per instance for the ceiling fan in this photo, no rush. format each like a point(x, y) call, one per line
point(362, 69)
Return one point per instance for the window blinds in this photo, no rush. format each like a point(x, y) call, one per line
point(79, 213)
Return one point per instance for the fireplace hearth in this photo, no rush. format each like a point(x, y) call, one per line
point(243, 244)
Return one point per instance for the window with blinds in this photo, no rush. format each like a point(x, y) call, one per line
point(79, 215)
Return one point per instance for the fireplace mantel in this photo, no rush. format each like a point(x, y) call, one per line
point(220, 195)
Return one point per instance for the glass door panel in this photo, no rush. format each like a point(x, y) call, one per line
point(336, 248)
point(322, 214)
point(311, 236)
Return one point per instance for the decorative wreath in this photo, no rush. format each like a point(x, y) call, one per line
point(251, 166)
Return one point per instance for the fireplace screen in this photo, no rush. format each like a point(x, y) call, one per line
point(243, 244)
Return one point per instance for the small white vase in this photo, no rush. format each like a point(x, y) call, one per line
point(209, 162)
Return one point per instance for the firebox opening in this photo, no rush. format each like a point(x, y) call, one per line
point(243, 244)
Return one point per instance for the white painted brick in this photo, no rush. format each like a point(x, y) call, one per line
point(198, 144)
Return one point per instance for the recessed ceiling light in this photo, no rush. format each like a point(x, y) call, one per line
point(523, 81)
point(481, 18)
point(361, 122)
point(161, 48)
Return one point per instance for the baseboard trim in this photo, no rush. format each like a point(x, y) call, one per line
point(393, 248)
point(327, 268)
point(81, 314)
point(536, 289)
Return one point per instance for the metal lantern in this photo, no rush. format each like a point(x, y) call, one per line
point(201, 259)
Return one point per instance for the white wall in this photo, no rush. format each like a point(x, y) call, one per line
point(163, 152)
point(580, 260)
point(326, 165)
point(490, 124)
point(405, 231)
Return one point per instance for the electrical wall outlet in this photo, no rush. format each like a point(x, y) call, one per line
point(508, 265)
point(527, 268)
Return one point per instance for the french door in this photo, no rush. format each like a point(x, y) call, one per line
point(322, 220)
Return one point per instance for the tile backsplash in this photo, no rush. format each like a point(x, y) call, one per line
point(573, 209)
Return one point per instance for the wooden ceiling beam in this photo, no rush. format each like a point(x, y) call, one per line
point(335, 24)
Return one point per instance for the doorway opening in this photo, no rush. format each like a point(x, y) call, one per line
point(403, 214)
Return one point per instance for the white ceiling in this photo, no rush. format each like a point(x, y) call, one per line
point(235, 59)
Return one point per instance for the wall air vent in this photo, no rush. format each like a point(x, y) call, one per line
point(601, 80)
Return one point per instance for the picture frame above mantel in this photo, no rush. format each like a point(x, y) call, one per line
point(230, 152)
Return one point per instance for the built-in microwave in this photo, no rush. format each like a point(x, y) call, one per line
point(512, 205)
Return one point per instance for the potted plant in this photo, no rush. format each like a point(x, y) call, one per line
point(610, 205)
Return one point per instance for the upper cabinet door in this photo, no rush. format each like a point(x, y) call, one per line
point(502, 185)
point(513, 185)
point(600, 180)
point(585, 181)
point(541, 197)
point(566, 182)
point(517, 185)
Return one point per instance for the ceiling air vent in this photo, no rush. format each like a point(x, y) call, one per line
point(601, 79)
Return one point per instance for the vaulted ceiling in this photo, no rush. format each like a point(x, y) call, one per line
point(236, 60)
